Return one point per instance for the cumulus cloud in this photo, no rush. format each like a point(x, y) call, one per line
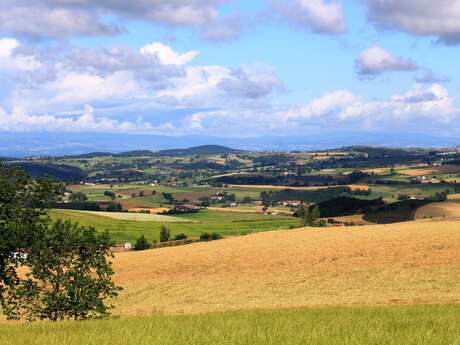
point(338, 110)
point(319, 16)
point(167, 56)
point(11, 60)
point(440, 18)
point(432, 104)
point(376, 60)
point(213, 85)
point(244, 83)
point(330, 103)
point(122, 81)
point(62, 18)
point(86, 121)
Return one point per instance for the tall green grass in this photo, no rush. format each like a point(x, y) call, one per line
point(407, 325)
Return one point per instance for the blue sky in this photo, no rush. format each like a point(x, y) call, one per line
point(230, 68)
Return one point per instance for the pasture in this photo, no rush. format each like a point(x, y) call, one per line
point(224, 223)
point(439, 210)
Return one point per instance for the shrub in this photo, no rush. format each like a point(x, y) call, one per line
point(165, 235)
point(142, 243)
point(205, 236)
point(115, 208)
point(180, 237)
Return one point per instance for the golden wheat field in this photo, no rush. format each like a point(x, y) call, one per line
point(406, 263)
point(439, 210)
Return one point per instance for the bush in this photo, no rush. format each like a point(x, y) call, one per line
point(205, 236)
point(115, 208)
point(165, 235)
point(180, 237)
point(142, 243)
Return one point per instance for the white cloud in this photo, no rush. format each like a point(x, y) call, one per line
point(432, 104)
point(327, 104)
point(86, 121)
point(59, 18)
point(439, 18)
point(376, 60)
point(167, 56)
point(198, 81)
point(342, 108)
point(11, 61)
point(320, 16)
point(246, 83)
point(76, 88)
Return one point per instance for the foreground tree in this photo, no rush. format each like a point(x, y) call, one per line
point(23, 220)
point(70, 276)
point(66, 272)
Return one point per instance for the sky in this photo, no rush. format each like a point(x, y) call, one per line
point(230, 68)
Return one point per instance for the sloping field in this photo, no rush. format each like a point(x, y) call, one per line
point(356, 219)
point(140, 217)
point(439, 210)
point(418, 172)
point(274, 187)
point(408, 263)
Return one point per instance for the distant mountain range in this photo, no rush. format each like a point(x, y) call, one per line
point(59, 144)
point(196, 150)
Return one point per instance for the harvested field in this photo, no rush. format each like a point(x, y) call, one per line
point(439, 210)
point(453, 197)
point(251, 209)
point(357, 219)
point(155, 210)
point(407, 263)
point(442, 169)
point(418, 172)
point(273, 187)
point(140, 217)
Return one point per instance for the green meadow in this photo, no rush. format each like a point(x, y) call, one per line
point(394, 325)
point(224, 223)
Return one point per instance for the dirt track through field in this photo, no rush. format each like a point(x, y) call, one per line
point(417, 262)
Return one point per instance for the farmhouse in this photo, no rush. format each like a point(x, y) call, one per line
point(121, 247)
point(290, 203)
point(186, 208)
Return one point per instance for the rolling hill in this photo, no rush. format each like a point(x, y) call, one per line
point(58, 172)
point(200, 150)
point(406, 263)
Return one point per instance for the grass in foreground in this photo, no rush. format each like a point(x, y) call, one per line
point(397, 325)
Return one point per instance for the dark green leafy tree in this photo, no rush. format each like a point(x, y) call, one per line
point(169, 197)
point(142, 243)
point(309, 215)
point(23, 219)
point(165, 234)
point(110, 194)
point(70, 276)
point(78, 197)
point(68, 272)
